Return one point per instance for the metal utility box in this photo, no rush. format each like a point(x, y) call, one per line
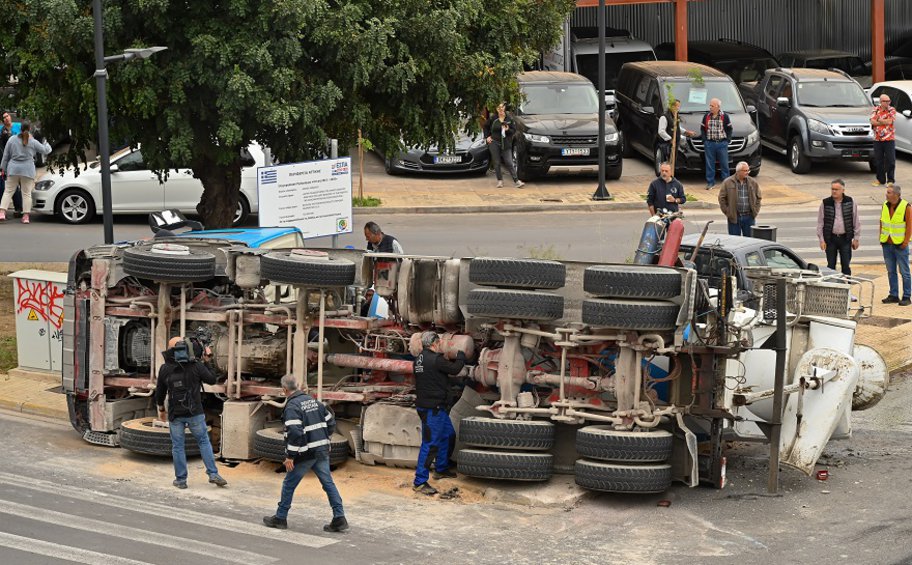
point(38, 306)
point(240, 422)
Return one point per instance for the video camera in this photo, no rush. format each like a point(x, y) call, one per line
point(193, 348)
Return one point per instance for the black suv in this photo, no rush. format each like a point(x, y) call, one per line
point(557, 126)
point(741, 61)
point(643, 95)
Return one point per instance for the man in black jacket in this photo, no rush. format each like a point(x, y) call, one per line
point(181, 378)
point(379, 242)
point(308, 429)
point(838, 226)
point(432, 388)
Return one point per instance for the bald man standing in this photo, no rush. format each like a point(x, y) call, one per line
point(181, 378)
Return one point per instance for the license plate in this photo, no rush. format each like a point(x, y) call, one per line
point(572, 151)
point(447, 159)
point(855, 154)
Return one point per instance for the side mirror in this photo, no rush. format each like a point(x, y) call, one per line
point(647, 110)
point(875, 100)
point(783, 101)
point(751, 109)
point(114, 168)
point(813, 267)
point(907, 113)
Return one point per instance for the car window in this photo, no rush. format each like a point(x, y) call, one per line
point(642, 90)
point(655, 98)
point(247, 159)
point(781, 259)
point(752, 259)
point(787, 60)
point(772, 87)
point(710, 263)
point(786, 90)
point(901, 101)
point(695, 98)
point(746, 70)
point(577, 98)
point(831, 94)
point(131, 162)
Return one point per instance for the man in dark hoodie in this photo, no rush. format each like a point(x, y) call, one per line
point(181, 379)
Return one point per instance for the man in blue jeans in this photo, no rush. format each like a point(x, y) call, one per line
point(895, 231)
point(716, 130)
point(181, 379)
point(308, 429)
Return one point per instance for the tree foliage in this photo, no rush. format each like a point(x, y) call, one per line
point(289, 74)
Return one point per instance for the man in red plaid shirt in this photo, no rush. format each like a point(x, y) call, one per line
point(882, 119)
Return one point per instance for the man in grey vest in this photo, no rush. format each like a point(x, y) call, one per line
point(838, 226)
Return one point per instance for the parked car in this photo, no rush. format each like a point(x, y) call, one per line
point(557, 126)
point(812, 115)
point(469, 156)
point(847, 62)
point(135, 189)
point(900, 93)
point(643, 96)
point(620, 48)
point(741, 61)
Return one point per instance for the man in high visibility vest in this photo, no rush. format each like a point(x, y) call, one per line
point(895, 230)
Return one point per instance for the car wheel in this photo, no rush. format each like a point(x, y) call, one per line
point(658, 159)
point(872, 166)
point(507, 434)
point(608, 444)
point(523, 171)
point(630, 314)
point(75, 206)
point(389, 167)
point(305, 267)
point(613, 477)
point(140, 436)
point(506, 465)
point(515, 304)
point(626, 148)
point(754, 172)
point(632, 281)
point(242, 212)
point(798, 161)
point(169, 262)
point(614, 173)
point(517, 273)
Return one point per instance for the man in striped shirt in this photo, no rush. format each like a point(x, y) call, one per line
point(308, 427)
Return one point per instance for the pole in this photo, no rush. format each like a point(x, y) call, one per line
point(334, 154)
point(778, 392)
point(104, 152)
point(601, 193)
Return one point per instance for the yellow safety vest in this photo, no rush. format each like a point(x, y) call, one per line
point(893, 228)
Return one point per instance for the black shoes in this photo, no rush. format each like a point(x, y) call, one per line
point(904, 302)
point(890, 299)
point(425, 488)
point(180, 484)
point(278, 523)
point(339, 524)
point(445, 475)
point(218, 480)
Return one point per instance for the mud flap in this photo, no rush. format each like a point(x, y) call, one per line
point(691, 440)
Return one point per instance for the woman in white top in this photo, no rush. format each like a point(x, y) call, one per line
point(18, 166)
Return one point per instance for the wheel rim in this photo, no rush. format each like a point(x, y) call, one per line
point(795, 156)
point(74, 208)
point(658, 162)
point(239, 212)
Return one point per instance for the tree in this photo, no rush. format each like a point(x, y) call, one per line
point(289, 74)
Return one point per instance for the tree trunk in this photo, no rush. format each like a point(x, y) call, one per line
point(221, 190)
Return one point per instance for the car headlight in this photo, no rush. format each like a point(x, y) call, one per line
point(817, 126)
point(753, 137)
point(611, 137)
point(44, 185)
point(477, 143)
point(537, 138)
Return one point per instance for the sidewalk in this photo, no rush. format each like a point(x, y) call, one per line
point(32, 393)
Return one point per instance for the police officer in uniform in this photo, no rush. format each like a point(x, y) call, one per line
point(432, 388)
point(181, 378)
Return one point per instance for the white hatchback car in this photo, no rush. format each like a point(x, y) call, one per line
point(135, 189)
point(900, 93)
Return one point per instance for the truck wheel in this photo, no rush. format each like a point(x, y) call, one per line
point(517, 273)
point(607, 444)
point(505, 465)
point(269, 444)
point(630, 314)
point(515, 304)
point(798, 161)
point(140, 436)
point(614, 173)
point(169, 262)
point(338, 453)
point(507, 434)
point(614, 477)
point(632, 281)
point(306, 267)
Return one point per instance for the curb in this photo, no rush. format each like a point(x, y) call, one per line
point(34, 409)
point(517, 208)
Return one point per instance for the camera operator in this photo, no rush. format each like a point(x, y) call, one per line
point(181, 378)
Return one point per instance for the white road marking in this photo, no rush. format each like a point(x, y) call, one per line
point(253, 528)
point(133, 534)
point(63, 552)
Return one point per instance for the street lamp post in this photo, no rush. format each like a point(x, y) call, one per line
point(601, 192)
point(104, 150)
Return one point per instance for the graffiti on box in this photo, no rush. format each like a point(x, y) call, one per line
point(42, 300)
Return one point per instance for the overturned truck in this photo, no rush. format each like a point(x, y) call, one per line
point(628, 376)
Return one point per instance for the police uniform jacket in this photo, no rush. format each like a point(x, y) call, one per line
point(308, 426)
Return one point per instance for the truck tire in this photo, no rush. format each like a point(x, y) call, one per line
point(338, 453)
point(533, 435)
point(269, 444)
point(515, 466)
point(632, 281)
point(515, 304)
point(615, 477)
point(306, 268)
point(169, 262)
point(630, 314)
point(607, 444)
point(798, 161)
point(517, 273)
point(139, 436)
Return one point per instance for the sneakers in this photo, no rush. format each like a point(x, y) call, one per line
point(218, 480)
point(519, 184)
point(445, 475)
point(25, 218)
point(890, 184)
point(339, 524)
point(2, 215)
point(425, 488)
point(876, 183)
point(890, 299)
point(180, 484)
point(274, 522)
point(500, 184)
point(904, 302)
point(710, 186)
